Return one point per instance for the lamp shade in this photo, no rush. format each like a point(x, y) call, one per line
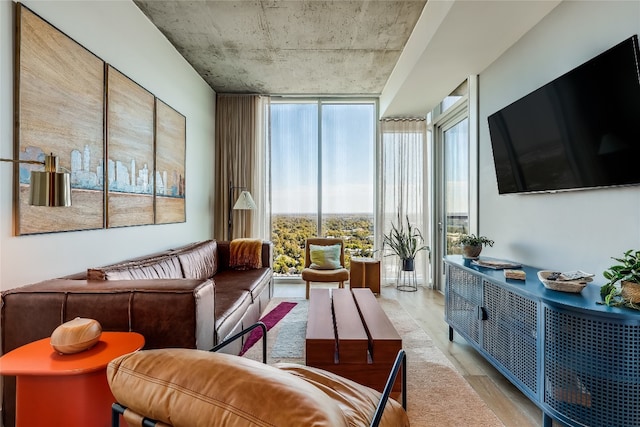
point(245, 202)
point(50, 189)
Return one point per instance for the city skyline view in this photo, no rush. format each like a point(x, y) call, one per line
point(123, 176)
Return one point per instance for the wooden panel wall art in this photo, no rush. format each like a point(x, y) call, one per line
point(59, 108)
point(61, 90)
point(170, 164)
point(130, 164)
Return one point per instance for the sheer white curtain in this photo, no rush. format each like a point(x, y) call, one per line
point(403, 191)
point(261, 176)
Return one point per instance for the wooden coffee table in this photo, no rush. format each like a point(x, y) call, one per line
point(349, 334)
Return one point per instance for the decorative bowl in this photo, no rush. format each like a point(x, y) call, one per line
point(573, 286)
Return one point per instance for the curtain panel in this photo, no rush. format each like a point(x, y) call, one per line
point(242, 163)
point(402, 190)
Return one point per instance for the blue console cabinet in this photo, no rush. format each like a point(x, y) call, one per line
point(577, 360)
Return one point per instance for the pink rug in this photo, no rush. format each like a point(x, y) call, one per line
point(270, 320)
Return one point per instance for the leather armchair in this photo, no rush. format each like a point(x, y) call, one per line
point(184, 387)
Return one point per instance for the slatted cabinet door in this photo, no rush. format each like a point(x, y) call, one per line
point(463, 303)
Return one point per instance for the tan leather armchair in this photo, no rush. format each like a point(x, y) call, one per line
point(309, 274)
point(185, 387)
point(181, 387)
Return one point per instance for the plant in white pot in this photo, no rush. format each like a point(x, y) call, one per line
point(627, 272)
point(405, 241)
point(472, 245)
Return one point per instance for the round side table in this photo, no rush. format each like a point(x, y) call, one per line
point(66, 390)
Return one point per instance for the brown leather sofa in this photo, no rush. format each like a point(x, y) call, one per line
point(186, 297)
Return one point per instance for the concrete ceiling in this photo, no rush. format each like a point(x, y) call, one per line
point(411, 53)
point(313, 47)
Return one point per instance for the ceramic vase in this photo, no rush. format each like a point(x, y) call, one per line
point(471, 251)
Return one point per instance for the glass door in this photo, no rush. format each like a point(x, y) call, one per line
point(455, 173)
point(456, 185)
point(452, 186)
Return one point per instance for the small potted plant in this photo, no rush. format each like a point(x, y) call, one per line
point(472, 245)
point(627, 272)
point(405, 241)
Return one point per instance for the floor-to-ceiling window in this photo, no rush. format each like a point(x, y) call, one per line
point(322, 177)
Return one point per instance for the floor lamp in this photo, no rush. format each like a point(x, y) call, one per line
point(244, 202)
point(49, 187)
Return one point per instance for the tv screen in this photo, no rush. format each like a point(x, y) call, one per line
point(582, 130)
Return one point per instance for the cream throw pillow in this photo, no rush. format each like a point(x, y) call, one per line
point(325, 257)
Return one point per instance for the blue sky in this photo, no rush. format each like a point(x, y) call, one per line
point(348, 146)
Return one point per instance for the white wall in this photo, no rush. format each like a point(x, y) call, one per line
point(118, 33)
point(569, 230)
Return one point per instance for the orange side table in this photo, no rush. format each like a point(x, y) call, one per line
point(66, 390)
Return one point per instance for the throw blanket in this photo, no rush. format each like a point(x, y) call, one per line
point(245, 254)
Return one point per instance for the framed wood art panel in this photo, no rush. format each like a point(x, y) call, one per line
point(59, 108)
point(130, 163)
point(170, 164)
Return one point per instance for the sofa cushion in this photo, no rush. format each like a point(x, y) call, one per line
point(197, 388)
point(253, 281)
point(230, 307)
point(160, 267)
point(198, 261)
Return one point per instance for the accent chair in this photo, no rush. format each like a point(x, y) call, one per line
point(324, 262)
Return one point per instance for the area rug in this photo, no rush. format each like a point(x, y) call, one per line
point(437, 395)
point(273, 316)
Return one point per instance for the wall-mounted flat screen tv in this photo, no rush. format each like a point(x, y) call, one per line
point(582, 130)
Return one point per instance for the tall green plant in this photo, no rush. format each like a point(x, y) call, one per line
point(404, 240)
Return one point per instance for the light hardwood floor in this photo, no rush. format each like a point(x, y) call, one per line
point(427, 308)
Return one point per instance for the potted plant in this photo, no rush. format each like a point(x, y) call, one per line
point(627, 272)
point(472, 245)
point(405, 241)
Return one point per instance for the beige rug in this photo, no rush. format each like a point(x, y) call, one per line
point(437, 395)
